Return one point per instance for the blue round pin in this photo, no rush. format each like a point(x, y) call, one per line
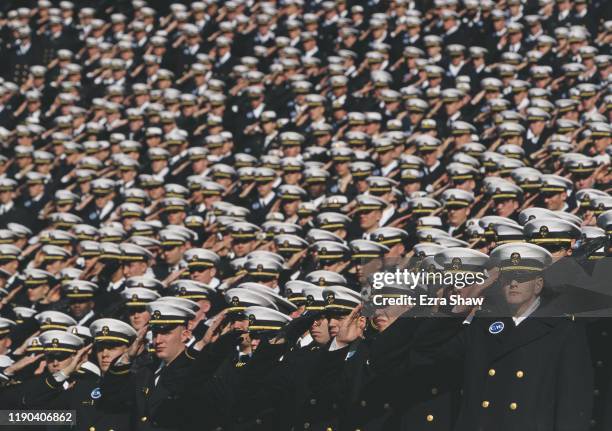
point(496, 327)
point(95, 394)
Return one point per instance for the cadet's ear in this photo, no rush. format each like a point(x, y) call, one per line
point(539, 285)
point(205, 306)
point(185, 335)
point(362, 322)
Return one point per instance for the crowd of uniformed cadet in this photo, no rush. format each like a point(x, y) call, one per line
point(194, 196)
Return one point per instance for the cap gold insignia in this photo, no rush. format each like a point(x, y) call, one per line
point(543, 231)
point(456, 263)
point(156, 314)
point(105, 330)
point(55, 342)
point(515, 258)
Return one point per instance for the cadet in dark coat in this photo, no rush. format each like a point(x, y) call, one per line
point(141, 393)
point(520, 370)
point(111, 339)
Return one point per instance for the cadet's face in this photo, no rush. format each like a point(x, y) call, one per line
point(457, 215)
point(106, 354)
point(36, 293)
point(100, 201)
point(264, 188)
point(242, 246)
point(139, 317)
point(342, 168)
point(6, 197)
point(199, 166)
point(245, 339)
point(334, 323)
point(80, 308)
point(128, 222)
point(169, 344)
point(173, 254)
point(292, 178)
point(11, 266)
point(520, 290)
point(468, 185)
point(369, 219)
point(415, 117)
point(584, 182)
point(505, 207)
point(316, 189)
point(203, 275)
point(319, 330)
point(58, 362)
point(601, 144)
point(158, 165)
point(411, 187)
point(35, 189)
point(290, 207)
point(366, 267)
point(134, 269)
point(554, 201)
point(382, 319)
point(430, 158)
point(5, 343)
point(291, 151)
point(176, 217)
point(386, 157)
point(452, 107)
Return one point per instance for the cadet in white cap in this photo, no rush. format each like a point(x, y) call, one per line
point(263, 320)
point(457, 204)
point(59, 347)
point(135, 259)
point(202, 265)
point(506, 197)
point(339, 302)
point(554, 234)
point(370, 209)
point(6, 326)
point(200, 293)
point(111, 337)
point(136, 300)
point(38, 284)
point(80, 294)
point(555, 192)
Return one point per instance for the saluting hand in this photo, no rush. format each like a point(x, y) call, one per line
point(351, 328)
point(137, 345)
point(77, 360)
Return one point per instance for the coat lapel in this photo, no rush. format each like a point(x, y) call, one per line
point(530, 330)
